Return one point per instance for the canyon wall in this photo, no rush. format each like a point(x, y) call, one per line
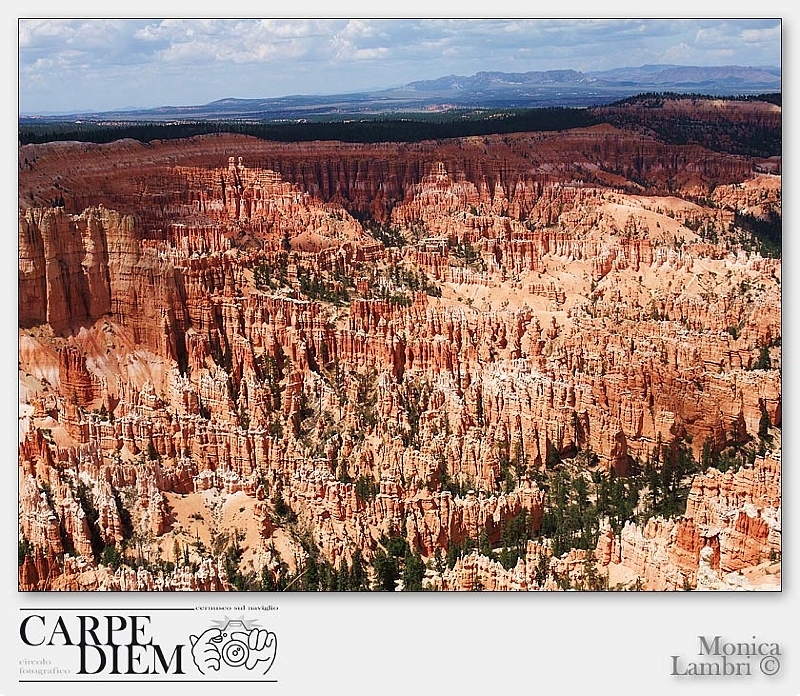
point(387, 340)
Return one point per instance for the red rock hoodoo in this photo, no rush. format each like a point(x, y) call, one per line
point(519, 362)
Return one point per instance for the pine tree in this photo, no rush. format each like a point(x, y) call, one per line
point(357, 580)
point(387, 571)
point(764, 425)
point(413, 572)
point(342, 577)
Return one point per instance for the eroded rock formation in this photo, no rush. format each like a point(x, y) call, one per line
point(360, 343)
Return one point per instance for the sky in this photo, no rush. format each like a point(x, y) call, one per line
point(98, 65)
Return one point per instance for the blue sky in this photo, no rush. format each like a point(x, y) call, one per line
point(92, 65)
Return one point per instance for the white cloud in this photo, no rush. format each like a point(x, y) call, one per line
point(769, 35)
point(183, 60)
point(682, 54)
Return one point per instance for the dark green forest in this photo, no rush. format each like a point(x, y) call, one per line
point(395, 129)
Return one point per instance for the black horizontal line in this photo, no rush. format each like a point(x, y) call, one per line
point(84, 609)
point(149, 681)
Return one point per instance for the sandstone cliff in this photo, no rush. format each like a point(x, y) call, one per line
point(362, 342)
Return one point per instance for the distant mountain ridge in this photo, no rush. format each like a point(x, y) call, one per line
point(483, 80)
point(489, 89)
point(675, 76)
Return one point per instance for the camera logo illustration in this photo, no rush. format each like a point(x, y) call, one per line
point(232, 647)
